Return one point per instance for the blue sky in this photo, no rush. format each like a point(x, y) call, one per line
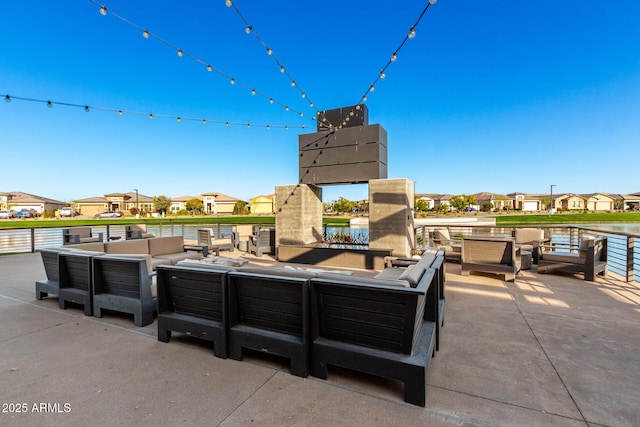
point(497, 96)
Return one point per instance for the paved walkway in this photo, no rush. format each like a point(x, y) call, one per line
point(547, 350)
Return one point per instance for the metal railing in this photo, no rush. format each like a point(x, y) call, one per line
point(622, 258)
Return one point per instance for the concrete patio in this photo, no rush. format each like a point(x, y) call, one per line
point(545, 350)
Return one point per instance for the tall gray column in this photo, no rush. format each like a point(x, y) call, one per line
point(298, 214)
point(391, 204)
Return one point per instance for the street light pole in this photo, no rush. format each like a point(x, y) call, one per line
point(551, 197)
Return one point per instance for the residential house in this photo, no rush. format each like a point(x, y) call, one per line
point(262, 205)
point(122, 202)
point(218, 203)
point(179, 203)
point(18, 200)
point(630, 202)
point(528, 202)
point(598, 202)
point(498, 201)
point(568, 202)
point(428, 199)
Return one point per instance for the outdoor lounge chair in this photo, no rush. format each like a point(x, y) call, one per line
point(442, 239)
point(206, 237)
point(262, 241)
point(137, 231)
point(191, 300)
point(240, 236)
point(122, 283)
point(50, 285)
point(530, 239)
point(494, 255)
point(76, 279)
point(589, 259)
point(269, 312)
point(75, 235)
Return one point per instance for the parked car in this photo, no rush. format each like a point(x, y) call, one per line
point(25, 213)
point(67, 211)
point(8, 214)
point(109, 214)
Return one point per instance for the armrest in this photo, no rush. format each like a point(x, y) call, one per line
point(100, 237)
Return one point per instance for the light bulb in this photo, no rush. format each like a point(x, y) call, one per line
point(282, 69)
point(301, 114)
point(268, 127)
point(286, 108)
point(286, 127)
point(303, 126)
point(227, 124)
point(269, 51)
point(228, 3)
point(180, 53)
point(103, 11)
point(150, 116)
point(303, 95)
point(270, 100)
point(433, 1)
point(232, 81)
point(248, 125)
point(311, 104)
point(204, 122)
point(248, 29)
point(49, 104)
point(372, 88)
point(293, 83)
point(253, 91)
point(412, 33)
point(178, 119)
point(86, 108)
point(358, 107)
point(394, 57)
point(145, 34)
point(7, 98)
point(120, 113)
point(382, 74)
point(351, 113)
point(364, 99)
point(209, 68)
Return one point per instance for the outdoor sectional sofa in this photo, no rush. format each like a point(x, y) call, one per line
point(383, 325)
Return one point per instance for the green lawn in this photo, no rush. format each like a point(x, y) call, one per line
point(568, 218)
point(69, 222)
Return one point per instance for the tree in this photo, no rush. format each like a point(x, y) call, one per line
point(240, 208)
point(421, 205)
point(194, 206)
point(462, 201)
point(161, 204)
point(343, 205)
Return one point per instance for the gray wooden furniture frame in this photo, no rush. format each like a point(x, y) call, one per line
point(76, 280)
point(137, 231)
point(76, 235)
point(207, 238)
point(123, 284)
point(590, 258)
point(269, 313)
point(491, 255)
point(381, 330)
point(193, 301)
point(50, 285)
point(441, 239)
point(262, 241)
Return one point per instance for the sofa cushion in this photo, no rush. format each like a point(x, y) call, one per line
point(165, 245)
point(187, 263)
point(127, 247)
point(390, 273)
point(175, 258)
point(358, 280)
point(96, 247)
point(528, 235)
point(412, 274)
point(563, 257)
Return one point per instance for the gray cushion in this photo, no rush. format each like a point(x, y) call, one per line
point(282, 272)
point(358, 280)
point(412, 275)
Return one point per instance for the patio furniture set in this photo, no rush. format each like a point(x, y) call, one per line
point(387, 325)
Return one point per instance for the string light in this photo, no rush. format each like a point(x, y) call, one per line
point(282, 69)
point(382, 74)
point(412, 33)
point(394, 57)
point(253, 91)
point(103, 11)
point(232, 81)
point(151, 116)
point(180, 52)
point(248, 29)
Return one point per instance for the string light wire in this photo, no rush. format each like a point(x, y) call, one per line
point(49, 103)
point(104, 11)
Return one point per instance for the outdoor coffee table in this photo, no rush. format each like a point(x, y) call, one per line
point(217, 260)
